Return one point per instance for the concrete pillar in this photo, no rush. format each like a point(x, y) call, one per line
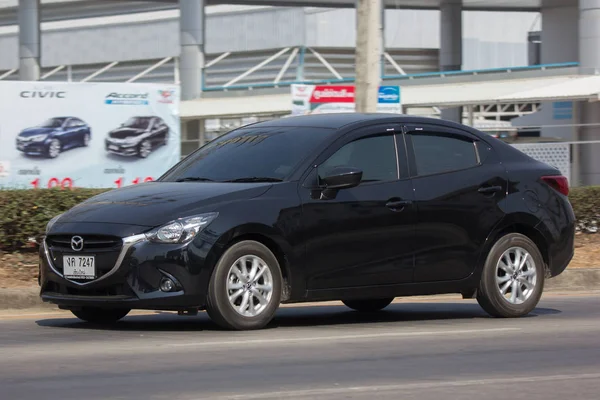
point(559, 31)
point(191, 59)
point(368, 55)
point(29, 40)
point(451, 47)
point(589, 61)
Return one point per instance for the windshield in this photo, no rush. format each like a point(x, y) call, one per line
point(53, 123)
point(138, 122)
point(250, 153)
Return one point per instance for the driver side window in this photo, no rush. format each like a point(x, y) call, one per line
point(375, 156)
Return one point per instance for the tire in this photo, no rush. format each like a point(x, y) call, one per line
point(495, 278)
point(370, 305)
point(100, 315)
point(54, 148)
point(144, 148)
point(224, 282)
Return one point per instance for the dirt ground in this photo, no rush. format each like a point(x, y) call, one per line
point(21, 269)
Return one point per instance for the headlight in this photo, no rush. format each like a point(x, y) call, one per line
point(38, 138)
point(182, 230)
point(51, 222)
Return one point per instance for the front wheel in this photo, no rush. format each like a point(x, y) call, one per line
point(370, 305)
point(144, 149)
point(512, 281)
point(245, 289)
point(100, 315)
point(53, 148)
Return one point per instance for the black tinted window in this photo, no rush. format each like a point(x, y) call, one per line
point(251, 152)
point(375, 156)
point(436, 153)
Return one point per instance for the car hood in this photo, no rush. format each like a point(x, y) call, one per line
point(123, 133)
point(155, 203)
point(35, 131)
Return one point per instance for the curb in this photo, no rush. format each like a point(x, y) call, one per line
point(571, 280)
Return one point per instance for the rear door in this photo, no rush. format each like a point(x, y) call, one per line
point(458, 184)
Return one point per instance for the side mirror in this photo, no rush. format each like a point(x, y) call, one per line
point(342, 178)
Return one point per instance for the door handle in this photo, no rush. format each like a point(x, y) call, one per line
point(489, 189)
point(397, 205)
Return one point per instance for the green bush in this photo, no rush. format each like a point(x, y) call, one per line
point(26, 212)
point(586, 204)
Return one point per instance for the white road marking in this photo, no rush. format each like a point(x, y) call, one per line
point(308, 393)
point(249, 342)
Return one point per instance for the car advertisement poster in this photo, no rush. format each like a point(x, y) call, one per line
point(321, 99)
point(100, 135)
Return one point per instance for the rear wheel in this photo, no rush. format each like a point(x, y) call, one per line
point(245, 288)
point(369, 305)
point(512, 281)
point(100, 315)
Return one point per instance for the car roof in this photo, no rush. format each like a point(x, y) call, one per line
point(341, 120)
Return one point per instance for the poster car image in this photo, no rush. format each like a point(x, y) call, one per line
point(138, 136)
point(87, 134)
point(53, 136)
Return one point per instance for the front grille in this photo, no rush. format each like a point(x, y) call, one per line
point(105, 249)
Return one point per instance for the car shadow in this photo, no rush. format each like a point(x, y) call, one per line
point(295, 317)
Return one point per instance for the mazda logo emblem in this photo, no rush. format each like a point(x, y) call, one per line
point(77, 243)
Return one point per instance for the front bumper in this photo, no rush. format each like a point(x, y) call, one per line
point(32, 147)
point(121, 149)
point(133, 281)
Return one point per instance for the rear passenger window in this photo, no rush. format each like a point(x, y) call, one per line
point(436, 152)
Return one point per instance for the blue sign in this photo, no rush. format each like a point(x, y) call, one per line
point(389, 95)
point(562, 110)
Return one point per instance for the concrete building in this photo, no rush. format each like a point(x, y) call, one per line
point(221, 51)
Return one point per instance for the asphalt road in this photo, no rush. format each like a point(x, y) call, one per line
point(441, 349)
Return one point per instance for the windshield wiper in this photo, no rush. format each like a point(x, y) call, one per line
point(194, 179)
point(256, 179)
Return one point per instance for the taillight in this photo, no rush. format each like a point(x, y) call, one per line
point(560, 183)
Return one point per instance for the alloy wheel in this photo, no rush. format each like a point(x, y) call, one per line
point(516, 275)
point(249, 285)
point(54, 148)
point(145, 148)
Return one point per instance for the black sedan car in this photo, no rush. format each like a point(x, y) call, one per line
point(138, 136)
point(354, 207)
point(53, 136)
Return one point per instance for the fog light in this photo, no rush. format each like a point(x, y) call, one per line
point(167, 285)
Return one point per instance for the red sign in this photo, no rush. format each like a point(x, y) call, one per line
point(332, 94)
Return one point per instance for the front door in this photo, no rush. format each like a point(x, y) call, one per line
point(363, 236)
point(458, 182)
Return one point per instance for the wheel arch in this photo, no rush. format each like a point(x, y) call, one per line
point(268, 237)
point(526, 225)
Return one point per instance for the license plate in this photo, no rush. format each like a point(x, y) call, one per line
point(113, 147)
point(79, 267)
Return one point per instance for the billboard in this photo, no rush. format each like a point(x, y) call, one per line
point(104, 135)
point(321, 99)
